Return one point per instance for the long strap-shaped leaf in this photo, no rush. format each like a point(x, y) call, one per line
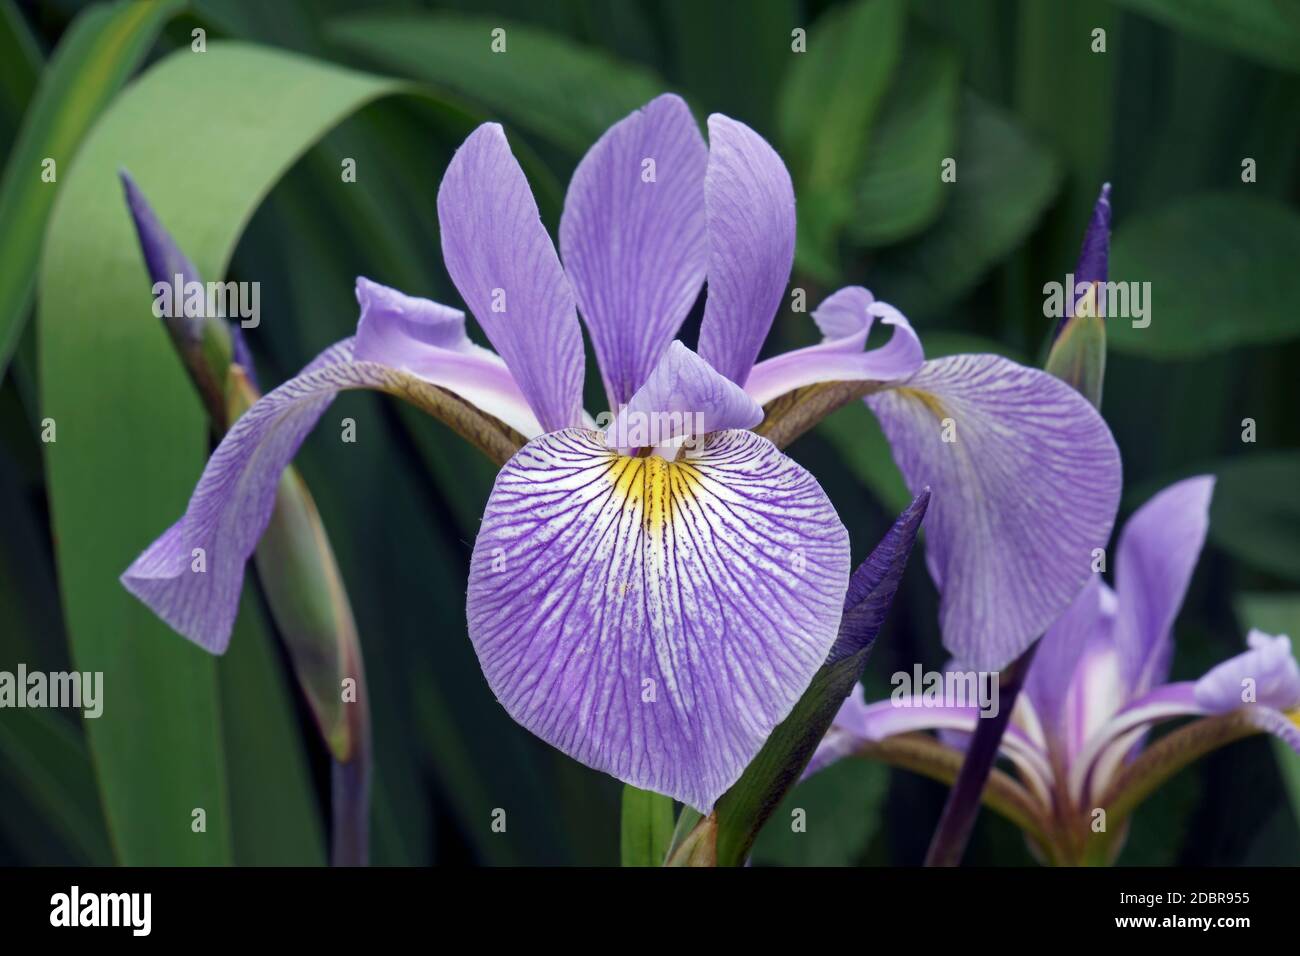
point(100, 51)
point(207, 134)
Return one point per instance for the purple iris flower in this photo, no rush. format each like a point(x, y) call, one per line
point(652, 598)
point(1099, 682)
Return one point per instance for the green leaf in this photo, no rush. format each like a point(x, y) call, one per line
point(898, 191)
point(45, 759)
point(563, 91)
point(20, 66)
point(100, 50)
point(130, 432)
point(647, 827)
point(827, 106)
point(1264, 30)
point(1255, 514)
point(832, 92)
point(730, 64)
point(1277, 614)
point(278, 824)
point(1065, 95)
point(1221, 273)
point(827, 820)
point(1005, 180)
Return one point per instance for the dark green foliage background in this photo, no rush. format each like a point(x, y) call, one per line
point(1036, 120)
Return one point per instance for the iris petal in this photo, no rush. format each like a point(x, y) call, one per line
point(845, 319)
point(749, 211)
point(1266, 674)
point(501, 259)
point(655, 619)
point(192, 575)
point(683, 397)
point(633, 241)
point(1026, 482)
point(1058, 656)
point(428, 340)
point(1158, 550)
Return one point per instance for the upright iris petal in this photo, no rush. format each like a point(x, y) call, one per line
point(749, 210)
point(504, 266)
point(632, 236)
point(1157, 553)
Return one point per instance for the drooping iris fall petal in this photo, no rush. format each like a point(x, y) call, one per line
point(633, 239)
point(1026, 481)
point(655, 619)
point(192, 575)
point(503, 264)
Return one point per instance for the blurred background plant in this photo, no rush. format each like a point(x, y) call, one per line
point(1189, 108)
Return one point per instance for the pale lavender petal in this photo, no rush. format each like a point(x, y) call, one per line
point(1157, 552)
point(1266, 675)
point(845, 320)
point(749, 212)
point(1026, 482)
point(1096, 762)
point(501, 259)
point(858, 722)
point(1096, 692)
point(191, 576)
point(683, 398)
point(632, 236)
point(1058, 655)
point(428, 340)
point(655, 619)
point(1274, 689)
point(1284, 726)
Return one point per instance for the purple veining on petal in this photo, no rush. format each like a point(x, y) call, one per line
point(1026, 481)
point(192, 575)
point(683, 397)
point(845, 320)
point(501, 259)
point(1157, 553)
point(633, 238)
point(654, 619)
point(428, 339)
point(399, 339)
point(749, 215)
